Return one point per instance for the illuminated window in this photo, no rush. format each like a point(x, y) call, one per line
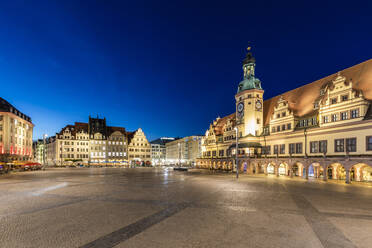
point(334, 117)
point(325, 119)
point(344, 116)
point(282, 149)
point(344, 98)
point(334, 100)
point(339, 145)
point(354, 113)
point(289, 126)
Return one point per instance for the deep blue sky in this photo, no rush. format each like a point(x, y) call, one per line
point(169, 67)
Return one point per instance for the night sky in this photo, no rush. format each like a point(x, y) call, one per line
point(169, 67)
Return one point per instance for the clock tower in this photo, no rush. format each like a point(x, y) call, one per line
point(249, 100)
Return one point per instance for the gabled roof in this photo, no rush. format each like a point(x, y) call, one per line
point(301, 100)
point(111, 130)
point(218, 128)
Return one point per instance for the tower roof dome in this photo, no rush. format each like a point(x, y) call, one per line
point(249, 84)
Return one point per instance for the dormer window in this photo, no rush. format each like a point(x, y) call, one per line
point(283, 114)
point(277, 115)
point(334, 100)
point(345, 98)
point(322, 92)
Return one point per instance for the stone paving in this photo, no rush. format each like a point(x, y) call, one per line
point(145, 207)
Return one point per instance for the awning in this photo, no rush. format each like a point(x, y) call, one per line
point(246, 145)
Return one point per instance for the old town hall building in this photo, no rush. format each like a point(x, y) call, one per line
point(322, 129)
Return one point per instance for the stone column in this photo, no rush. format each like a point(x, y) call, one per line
point(291, 172)
point(325, 173)
point(307, 172)
point(347, 176)
point(277, 171)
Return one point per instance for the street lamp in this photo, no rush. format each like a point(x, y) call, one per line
point(305, 133)
point(236, 152)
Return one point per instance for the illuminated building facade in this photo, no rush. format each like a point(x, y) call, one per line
point(38, 148)
point(88, 143)
point(183, 151)
point(322, 129)
point(139, 149)
point(158, 150)
point(15, 134)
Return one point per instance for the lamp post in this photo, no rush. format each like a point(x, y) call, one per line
point(305, 133)
point(236, 152)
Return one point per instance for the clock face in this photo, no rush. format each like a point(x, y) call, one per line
point(240, 107)
point(258, 105)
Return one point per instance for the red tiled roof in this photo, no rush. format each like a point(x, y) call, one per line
point(301, 100)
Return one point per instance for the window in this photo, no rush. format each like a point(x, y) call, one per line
point(273, 129)
point(283, 114)
point(283, 127)
point(289, 126)
point(258, 121)
point(369, 143)
point(298, 148)
point(344, 98)
point(214, 153)
point(323, 146)
point(292, 148)
point(277, 115)
point(354, 113)
point(278, 129)
point(221, 153)
point(314, 147)
point(339, 145)
point(344, 115)
point(276, 149)
point(325, 119)
point(266, 150)
point(334, 117)
point(351, 145)
point(334, 100)
point(282, 149)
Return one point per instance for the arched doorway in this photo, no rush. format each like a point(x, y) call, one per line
point(361, 173)
point(282, 169)
point(311, 171)
point(270, 169)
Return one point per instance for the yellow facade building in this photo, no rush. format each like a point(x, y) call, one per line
point(322, 129)
point(139, 148)
point(15, 134)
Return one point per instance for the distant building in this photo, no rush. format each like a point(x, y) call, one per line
point(88, 143)
point(158, 150)
point(38, 148)
point(139, 149)
point(15, 134)
point(184, 150)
